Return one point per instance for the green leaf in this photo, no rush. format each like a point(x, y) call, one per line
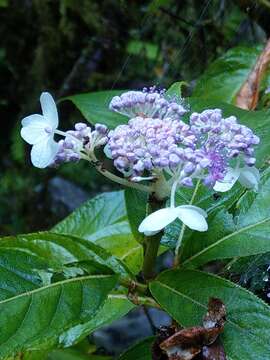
point(258, 121)
point(185, 294)
point(103, 221)
point(114, 308)
point(33, 256)
point(18, 272)
point(140, 351)
point(136, 204)
point(175, 90)
point(68, 354)
point(224, 77)
point(249, 235)
point(41, 315)
point(56, 251)
point(102, 216)
point(94, 107)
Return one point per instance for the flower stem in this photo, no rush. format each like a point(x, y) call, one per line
point(182, 232)
point(151, 243)
point(134, 286)
point(122, 181)
point(172, 199)
point(137, 300)
point(99, 167)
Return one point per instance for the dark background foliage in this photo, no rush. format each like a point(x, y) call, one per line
point(69, 46)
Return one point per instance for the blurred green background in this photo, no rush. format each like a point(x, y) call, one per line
point(68, 47)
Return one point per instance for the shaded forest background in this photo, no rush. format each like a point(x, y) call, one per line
point(68, 47)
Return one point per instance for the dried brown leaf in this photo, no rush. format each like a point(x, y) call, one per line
point(186, 344)
point(248, 95)
point(214, 352)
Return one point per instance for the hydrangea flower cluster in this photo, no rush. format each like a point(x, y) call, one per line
point(156, 144)
point(203, 149)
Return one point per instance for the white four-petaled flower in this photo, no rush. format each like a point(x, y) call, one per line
point(247, 176)
point(38, 130)
point(191, 216)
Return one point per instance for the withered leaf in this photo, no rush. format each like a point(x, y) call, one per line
point(247, 97)
point(197, 341)
point(213, 352)
point(216, 314)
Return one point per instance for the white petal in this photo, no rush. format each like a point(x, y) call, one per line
point(33, 130)
point(195, 208)
point(193, 218)
point(229, 180)
point(150, 233)
point(158, 220)
point(49, 109)
point(44, 152)
point(249, 177)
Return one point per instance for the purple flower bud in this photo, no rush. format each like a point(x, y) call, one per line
point(255, 140)
point(101, 129)
point(80, 126)
point(164, 162)
point(139, 166)
point(174, 160)
point(204, 163)
point(250, 161)
point(233, 153)
point(121, 163)
point(68, 144)
point(189, 168)
point(187, 181)
point(209, 181)
point(148, 164)
point(74, 157)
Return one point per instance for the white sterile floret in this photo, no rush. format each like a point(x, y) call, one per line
point(38, 130)
point(192, 216)
point(248, 177)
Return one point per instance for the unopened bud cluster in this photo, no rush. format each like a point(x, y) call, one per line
point(156, 139)
point(220, 140)
point(80, 142)
point(151, 104)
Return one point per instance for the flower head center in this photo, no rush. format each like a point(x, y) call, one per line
point(48, 129)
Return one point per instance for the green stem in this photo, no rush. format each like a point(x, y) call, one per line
point(122, 181)
point(178, 244)
point(99, 167)
point(137, 300)
point(182, 232)
point(151, 244)
point(134, 286)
